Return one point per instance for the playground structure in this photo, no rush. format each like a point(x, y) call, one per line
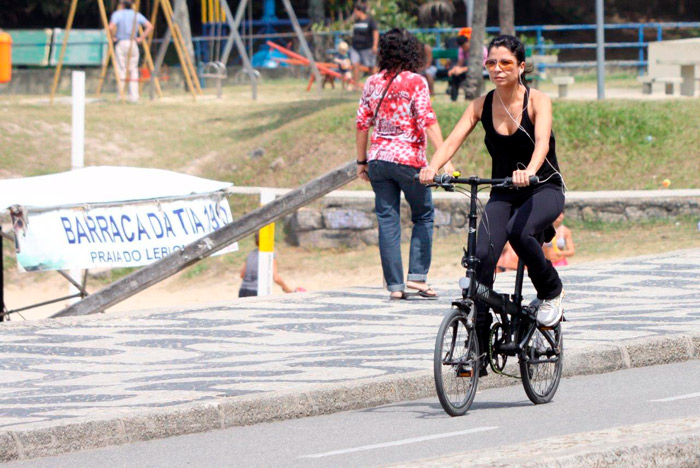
point(220, 14)
point(187, 66)
point(325, 69)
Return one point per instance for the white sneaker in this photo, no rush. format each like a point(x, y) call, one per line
point(550, 311)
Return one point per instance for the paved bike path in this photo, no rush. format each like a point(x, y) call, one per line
point(75, 383)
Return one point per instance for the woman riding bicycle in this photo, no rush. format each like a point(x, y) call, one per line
point(519, 138)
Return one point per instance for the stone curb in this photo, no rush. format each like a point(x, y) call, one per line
point(242, 411)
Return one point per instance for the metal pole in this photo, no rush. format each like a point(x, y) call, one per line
point(303, 43)
point(266, 250)
point(77, 141)
point(233, 23)
point(600, 50)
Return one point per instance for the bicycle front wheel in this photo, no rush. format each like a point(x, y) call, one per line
point(541, 364)
point(456, 363)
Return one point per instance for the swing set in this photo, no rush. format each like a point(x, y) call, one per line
point(218, 15)
point(152, 69)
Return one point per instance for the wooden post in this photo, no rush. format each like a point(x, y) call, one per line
point(177, 36)
point(59, 65)
point(2, 281)
point(185, 70)
point(151, 66)
point(110, 47)
point(103, 73)
point(211, 243)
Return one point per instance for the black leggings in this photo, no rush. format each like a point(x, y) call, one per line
point(517, 216)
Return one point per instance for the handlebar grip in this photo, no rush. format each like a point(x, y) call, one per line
point(534, 180)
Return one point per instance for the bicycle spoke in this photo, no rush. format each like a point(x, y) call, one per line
point(541, 368)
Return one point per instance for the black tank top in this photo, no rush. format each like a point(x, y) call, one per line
point(508, 150)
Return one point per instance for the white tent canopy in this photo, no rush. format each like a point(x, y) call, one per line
point(101, 184)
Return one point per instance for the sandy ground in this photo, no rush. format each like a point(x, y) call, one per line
point(32, 288)
point(176, 291)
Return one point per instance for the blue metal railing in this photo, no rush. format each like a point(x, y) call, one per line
point(541, 45)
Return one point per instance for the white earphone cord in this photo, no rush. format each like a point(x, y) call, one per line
point(520, 127)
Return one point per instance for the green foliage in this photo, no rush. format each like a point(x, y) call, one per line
point(393, 14)
point(531, 42)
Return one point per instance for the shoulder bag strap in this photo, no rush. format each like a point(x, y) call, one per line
point(388, 85)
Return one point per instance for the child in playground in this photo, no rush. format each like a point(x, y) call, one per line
point(562, 246)
point(342, 58)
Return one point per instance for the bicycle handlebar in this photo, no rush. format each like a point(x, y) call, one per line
point(446, 180)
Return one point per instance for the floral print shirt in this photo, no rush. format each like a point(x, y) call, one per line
point(405, 113)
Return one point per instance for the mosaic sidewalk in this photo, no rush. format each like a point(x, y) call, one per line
point(57, 371)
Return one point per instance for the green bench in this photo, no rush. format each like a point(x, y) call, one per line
point(85, 47)
point(30, 46)
point(42, 47)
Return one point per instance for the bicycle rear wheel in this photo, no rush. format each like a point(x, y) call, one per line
point(456, 363)
point(541, 364)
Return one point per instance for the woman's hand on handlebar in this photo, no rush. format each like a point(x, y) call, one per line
point(427, 175)
point(521, 178)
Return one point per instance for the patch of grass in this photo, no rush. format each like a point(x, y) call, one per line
point(596, 240)
point(601, 145)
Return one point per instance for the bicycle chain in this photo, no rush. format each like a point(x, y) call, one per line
point(491, 362)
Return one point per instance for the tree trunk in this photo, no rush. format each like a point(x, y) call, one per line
point(506, 17)
point(316, 11)
point(475, 79)
point(181, 15)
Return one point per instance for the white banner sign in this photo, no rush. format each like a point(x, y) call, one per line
point(117, 236)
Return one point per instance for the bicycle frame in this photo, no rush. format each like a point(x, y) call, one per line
point(503, 304)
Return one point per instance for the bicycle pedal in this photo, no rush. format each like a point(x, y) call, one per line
point(462, 372)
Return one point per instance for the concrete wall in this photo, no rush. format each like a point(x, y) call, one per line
point(345, 222)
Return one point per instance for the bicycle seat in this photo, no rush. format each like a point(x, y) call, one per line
point(547, 235)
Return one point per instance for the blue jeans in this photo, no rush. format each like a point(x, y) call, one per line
point(388, 181)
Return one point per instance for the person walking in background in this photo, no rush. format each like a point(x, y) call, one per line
point(562, 246)
point(124, 27)
point(249, 274)
point(396, 102)
point(365, 41)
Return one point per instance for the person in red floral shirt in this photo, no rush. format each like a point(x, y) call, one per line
point(396, 102)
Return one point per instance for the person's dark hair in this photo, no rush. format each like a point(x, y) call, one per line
point(127, 3)
point(516, 47)
point(461, 40)
point(399, 50)
point(361, 6)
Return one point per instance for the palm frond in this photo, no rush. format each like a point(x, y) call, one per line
point(436, 11)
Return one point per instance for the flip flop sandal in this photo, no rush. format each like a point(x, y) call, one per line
point(425, 293)
point(404, 295)
point(419, 295)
